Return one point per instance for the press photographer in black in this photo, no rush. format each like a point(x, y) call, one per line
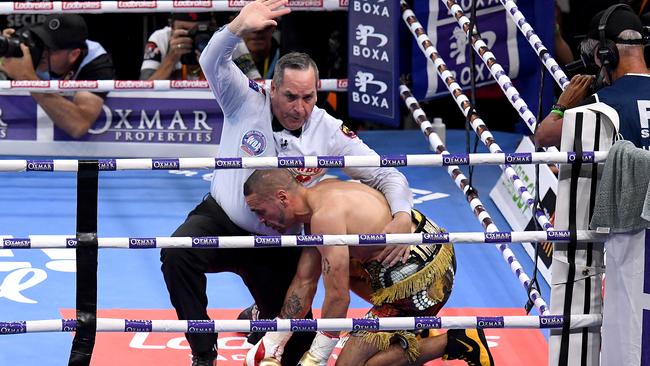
point(58, 49)
point(172, 52)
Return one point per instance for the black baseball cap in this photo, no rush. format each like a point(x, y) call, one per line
point(62, 31)
point(622, 18)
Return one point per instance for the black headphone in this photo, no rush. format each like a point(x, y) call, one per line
point(607, 51)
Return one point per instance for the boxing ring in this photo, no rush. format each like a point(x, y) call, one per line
point(140, 202)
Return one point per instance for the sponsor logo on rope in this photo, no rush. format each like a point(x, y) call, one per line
point(30, 83)
point(44, 5)
point(435, 238)
point(136, 4)
point(134, 84)
point(342, 83)
point(16, 243)
point(455, 159)
point(40, 165)
point(558, 234)
point(80, 5)
point(300, 325)
point(200, 326)
point(551, 321)
point(427, 322)
point(519, 158)
point(189, 84)
point(365, 324)
point(13, 327)
point(68, 325)
point(331, 161)
point(392, 160)
point(489, 322)
point(291, 162)
point(138, 325)
point(107, 164)
point(309, 239)
point(227, 163)
point(498, 237)
point(587, 157)
point(253, 143)
point(263, 326)
point(142, 243)
point(71, 242)
point(267, 241)
point(192, 4)
point(165, 164)
point(372, 239)
point(74, 84)
point(205, 242)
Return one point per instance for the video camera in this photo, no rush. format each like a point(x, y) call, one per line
point(200, 35)
point(10, 46)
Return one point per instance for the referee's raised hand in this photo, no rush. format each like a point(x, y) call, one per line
point(258, 15)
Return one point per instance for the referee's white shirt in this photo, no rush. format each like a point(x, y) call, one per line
point(247, 132)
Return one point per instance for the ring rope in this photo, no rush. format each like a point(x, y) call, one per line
point(259, 241)
point(306, 325)
point(472, 198)
point(356, 161)
point(466, 107)
point(542, 52)
point(339, 85)
point(489, 59)
point(48, 7)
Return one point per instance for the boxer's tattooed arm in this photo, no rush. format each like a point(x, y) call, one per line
point(327, 267)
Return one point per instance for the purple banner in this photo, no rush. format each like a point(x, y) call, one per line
point(365, 324)
point(107, 164)
point(13, 327)
point(71, 242)
point(392, 160)
point(205, 242)
point(200, 326)
point(331, 162)
point(498, 237)
point(263, 326)
point(427, 322)
point(558, 235)
point(68, 325)
point(291, 162)
point(645, 338)
point(165, 164)
point(227, 163)
point(40, 165)
point(489, 321)
point(372, 239)
point(373, 54)
point(309, 240)
point(551, 321)
point(142, 243)
point(16, 243)
point(300, 325)
point(435, 238)
point(455, 159)
point(138, 325)
point(519, 158)
point(155, 120)
point(267, 241)
point(17, 117)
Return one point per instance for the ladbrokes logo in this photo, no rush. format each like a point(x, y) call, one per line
point(305, 3)
point(344, 2)
point(74, 84)
point(133, 84)
point(189, 84)
point(136, 4)
point(363, 81)
point(192, 4)
point(44, 5)
point(342, 83)
point(30, 83)
point(81, 5)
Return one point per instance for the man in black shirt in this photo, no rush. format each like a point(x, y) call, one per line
point(67, 55)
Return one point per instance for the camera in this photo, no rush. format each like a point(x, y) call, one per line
point(10, 46)
point(200, 35)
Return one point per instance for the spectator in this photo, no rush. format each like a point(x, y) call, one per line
point(67, 55)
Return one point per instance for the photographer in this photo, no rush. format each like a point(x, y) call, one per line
point(59, 50)
point(615, 54)
point(170, 51)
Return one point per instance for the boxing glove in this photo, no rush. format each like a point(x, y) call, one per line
point(268, 351)
point(320, 350)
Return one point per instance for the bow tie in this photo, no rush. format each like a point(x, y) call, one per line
point(277, 127)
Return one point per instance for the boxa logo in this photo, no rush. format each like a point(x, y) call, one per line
point(372, 9)
point(361, 81)
point(368, 31)
point(365, 32)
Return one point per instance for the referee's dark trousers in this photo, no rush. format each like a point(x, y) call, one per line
point(267, 272)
